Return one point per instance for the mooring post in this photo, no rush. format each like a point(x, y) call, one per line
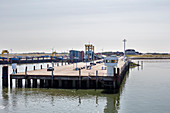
point(5, 76)
point(96, 79)
point(16, 70)
point(25, 71)
point(47, 65)
point(79, 78)
point(34, 67)
point(41, 66)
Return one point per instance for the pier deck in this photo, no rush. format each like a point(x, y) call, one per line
point(67, 70)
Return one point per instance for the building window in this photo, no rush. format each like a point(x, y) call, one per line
point(112, 61)
point(107, 61)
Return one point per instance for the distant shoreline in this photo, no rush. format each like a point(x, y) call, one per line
point(138, 58)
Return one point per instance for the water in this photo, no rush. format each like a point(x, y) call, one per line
point(145, 90)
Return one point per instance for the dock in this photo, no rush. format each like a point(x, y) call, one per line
point(67, 77)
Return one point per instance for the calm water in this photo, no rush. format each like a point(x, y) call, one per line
point(145, 90)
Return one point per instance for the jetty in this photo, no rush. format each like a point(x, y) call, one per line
point(70, 76)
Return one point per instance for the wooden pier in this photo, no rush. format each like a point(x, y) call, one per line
point(66, 77)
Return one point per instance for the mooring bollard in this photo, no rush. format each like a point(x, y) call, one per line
point(5, 76)
point(34, 67)
point(41, 66)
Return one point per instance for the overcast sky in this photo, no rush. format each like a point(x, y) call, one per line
point(40, 25)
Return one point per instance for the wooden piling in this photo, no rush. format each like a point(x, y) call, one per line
point(34, 83)
point(96, 79)
point(41, 83)
point(41, 66)
point(60, 83)
point(16, 83)
point(34, 67)
point(5, 76)
point(79, 78)
point(10, 82)
point(27, 83)
point(19, 83)
point(87, 84)
point(73, 84)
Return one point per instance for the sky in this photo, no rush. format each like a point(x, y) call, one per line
point(61, 25)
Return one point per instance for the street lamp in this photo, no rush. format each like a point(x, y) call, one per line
point(124, 48)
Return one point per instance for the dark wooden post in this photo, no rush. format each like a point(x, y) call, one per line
point(20, 83)
point(114, 71)
point(41, 66)
point(25, 71)
point(34, 83)
point(60, 83)
point(47, 65)
point(52, 81)
point(41, 83)
point(5, 76)
point(34, 67)
point(79, 78)
point(118, 71)
point(73, 84)
point(96, 79)
point(10, 82)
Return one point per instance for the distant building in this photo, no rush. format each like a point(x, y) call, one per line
point(76, 55)
point(132, 52)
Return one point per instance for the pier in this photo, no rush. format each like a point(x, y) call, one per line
point(66, 77)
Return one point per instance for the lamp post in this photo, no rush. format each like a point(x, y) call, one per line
point(124, 48)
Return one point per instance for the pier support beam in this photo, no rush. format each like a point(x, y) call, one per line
point(60, 83)
point(79, 78)
point(73, 84)
point(27, 83)
point(87, 84)
point(5, 76)
point(34, 83)
point(19, 83)
point(16, 83)
point(96, 79)
point(41, 83)
point(10, 82)
point(46, 83)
